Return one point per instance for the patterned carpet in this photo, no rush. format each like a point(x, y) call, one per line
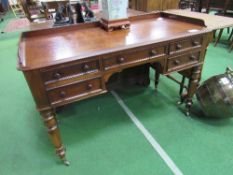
point(16, 25)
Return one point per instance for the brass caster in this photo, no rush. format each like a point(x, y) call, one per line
point(66, 162)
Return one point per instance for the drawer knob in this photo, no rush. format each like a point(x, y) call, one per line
point(57, 75)
point(86, 67)
point(153, 53)
point(176, 62)
point(178, 46)
point(62, 94)
point(89, 86)
point(193, 57)
point(196, 43)
point(121, 60)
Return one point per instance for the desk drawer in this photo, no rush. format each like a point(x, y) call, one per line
point(76, 90)
point(134, 57)
point(179, 62)
point(72, 70)
point(182, 45)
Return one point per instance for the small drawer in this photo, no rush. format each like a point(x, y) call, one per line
point(182, 45)
point(72, 70)
point(75, 90)
point(134, 57)
point(179, 62)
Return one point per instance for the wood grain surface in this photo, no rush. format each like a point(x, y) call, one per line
point(48, 47)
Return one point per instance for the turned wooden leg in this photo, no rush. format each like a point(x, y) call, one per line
point(182, 95)
point(214, 33)
point(182, 85)
point(157, 68)
point(50, 122)
point(231, 46)
point(192, 87)
point(157, 76)
point(219, 37)
point(229, 39)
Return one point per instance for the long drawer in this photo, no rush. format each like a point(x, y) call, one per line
point(64, 72)
point(75, 90)
point(134, 57)
point(179, 62)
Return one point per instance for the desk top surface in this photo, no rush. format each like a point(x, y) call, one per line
point(44, 48)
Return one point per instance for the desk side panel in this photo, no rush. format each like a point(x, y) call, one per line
point(37, 88)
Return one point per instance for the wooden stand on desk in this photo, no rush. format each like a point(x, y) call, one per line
point(115, 24)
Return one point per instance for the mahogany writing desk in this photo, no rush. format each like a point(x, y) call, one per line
point(67, 64)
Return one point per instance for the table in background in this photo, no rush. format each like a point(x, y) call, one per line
point(214, 5)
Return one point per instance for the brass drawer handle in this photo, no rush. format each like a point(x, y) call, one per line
point(121, 60)
point(86, 67)
point(176, 62)
point(89, 86)
point(62, 94)
point(196, 43)
point(57, 75)
point(178, 46)
point(193, 57)
point(153, 53)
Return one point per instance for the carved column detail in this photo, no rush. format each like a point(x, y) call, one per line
point(50, 122)
point(192, 87)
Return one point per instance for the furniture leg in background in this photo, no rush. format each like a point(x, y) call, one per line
point(231, 46)
point(218, 37)
point(1, 18)
point(231, 35)
point(230, 39)
point(1, 12)
point(1, 8)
